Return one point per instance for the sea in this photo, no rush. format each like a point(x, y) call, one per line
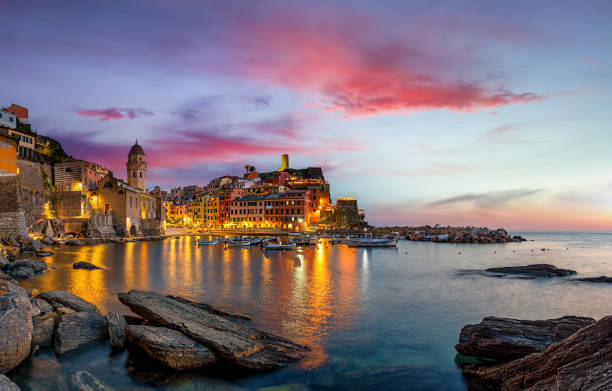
point(383, 319)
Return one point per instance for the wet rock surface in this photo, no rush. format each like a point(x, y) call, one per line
point(15, 329)
point(505, 339)
point(579, 362)
point(116, 330)
point(223, 312)
point(170, 347)
point(26, 268)
point(242, 345)
point(537, 270)
point(66, 299)
point(78, 329)
point(85, 381)
point(42, 330)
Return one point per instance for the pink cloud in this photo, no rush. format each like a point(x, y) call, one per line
point(114, 113)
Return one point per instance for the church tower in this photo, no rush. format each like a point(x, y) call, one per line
point(137, 167)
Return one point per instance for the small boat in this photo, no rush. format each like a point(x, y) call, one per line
point(280, 246)
point(207, 242)
point(372, 242)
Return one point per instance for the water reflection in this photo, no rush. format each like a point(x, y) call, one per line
point(364, 306)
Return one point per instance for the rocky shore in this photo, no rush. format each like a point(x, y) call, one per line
point(177, 333)
point(481, 235)
point(569, 353)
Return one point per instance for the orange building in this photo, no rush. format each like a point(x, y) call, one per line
point(8, 155)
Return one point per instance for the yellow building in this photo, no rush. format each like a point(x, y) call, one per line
point(8, 155)
point(195, 211)
point(211, 211)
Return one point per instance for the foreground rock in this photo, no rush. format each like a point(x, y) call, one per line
point(596, 279)
point(66, 299)
point(85, 381)
point(506, 339)
point(15, 329)
point(170, 347)
point(580, 362)
point(7, 385)
point(42, 330)
point(78, 329)
point(26, 268)
point(116, 330)
point(224, 312)
point(234, 342)
point(538, 270)
point(85, 265)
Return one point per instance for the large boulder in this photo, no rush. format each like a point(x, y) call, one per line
point(537, 270)
point(232, 341)
point(170, 347)
point(223, 312)
point(7, 385)
point(505, 339)
point(43, 305)
point(66, 299)
point(15, 329)
point(85, 381)
point(26, 268)
point(116, 330)
point(78, 329)
point(579, 362)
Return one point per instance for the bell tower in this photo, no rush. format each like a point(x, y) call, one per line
point(137, 167)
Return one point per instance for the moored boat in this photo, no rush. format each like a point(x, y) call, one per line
point(372, 242)
point(207, 242)
point(280, 246)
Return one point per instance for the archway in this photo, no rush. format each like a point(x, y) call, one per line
point(133, 230)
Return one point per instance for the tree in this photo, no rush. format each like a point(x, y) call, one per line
point(252, 168)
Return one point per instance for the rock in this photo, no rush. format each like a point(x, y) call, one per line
point(78, 329)
point(224, 312)
point(65, 310)
point(26, 268)
point(15, 330)
point(3, 258)
point(42, 304)
point(12, 251)
point(581, 361)
point(285, 387)
point(37, 245)
point(43, 253)
point(595, 279)
point(67, 299)
point(7, 385)
point(6, 277)
point(538, 270)
point(506, 339)
point(85, 265)
point(11, 286)
point(170, 347)
point(48, 241)
point(85, 381)
point(116, 330)
point(74, 242)
point(42, 332)
point(234, 342)
point(133, 320)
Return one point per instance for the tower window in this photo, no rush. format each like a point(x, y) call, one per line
point(134, 174)
point(141, 174)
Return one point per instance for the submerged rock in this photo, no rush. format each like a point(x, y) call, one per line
point(116, 330)
point(538, 270)
point(78, 329)
point(66, 299)
point(15, 330)
point(7, 385)
point(505, 339)
point(605, 279)
point(579, 362)
point(85, 265)
point(234, 342)
point(170, 347)
point(85, 381)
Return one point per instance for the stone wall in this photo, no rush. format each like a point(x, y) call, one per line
point(36, 183)
point(150, 227)
point(12, 218)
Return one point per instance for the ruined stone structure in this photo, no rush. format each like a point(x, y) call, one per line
point(12, 218)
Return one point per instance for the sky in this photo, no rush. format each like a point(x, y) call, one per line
point(429, 112)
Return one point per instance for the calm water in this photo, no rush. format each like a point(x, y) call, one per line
point(356, 308)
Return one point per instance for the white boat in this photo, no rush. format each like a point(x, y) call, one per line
point(207, 242)
point(280, 246)
point(372, 242)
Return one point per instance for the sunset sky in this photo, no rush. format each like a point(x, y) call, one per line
point(456, 112)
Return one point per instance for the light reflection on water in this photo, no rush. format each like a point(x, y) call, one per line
point(356, 308)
